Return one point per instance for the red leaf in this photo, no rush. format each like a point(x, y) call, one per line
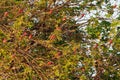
point(4, 40)
point(20, 11)
point(25, 33)
point(50, 12)
point(64, 19)
point(58, 28)
point(5, 14)
point(52, 37)
point(30, 36)
point(110, 41)
point(96, 46)
point(82, 15)
point(49, 63)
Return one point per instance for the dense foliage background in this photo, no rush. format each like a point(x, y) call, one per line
point(59, 40)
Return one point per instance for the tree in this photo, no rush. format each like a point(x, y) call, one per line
point(55, 40)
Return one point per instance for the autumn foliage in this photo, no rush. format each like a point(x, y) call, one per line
point(59, 40)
